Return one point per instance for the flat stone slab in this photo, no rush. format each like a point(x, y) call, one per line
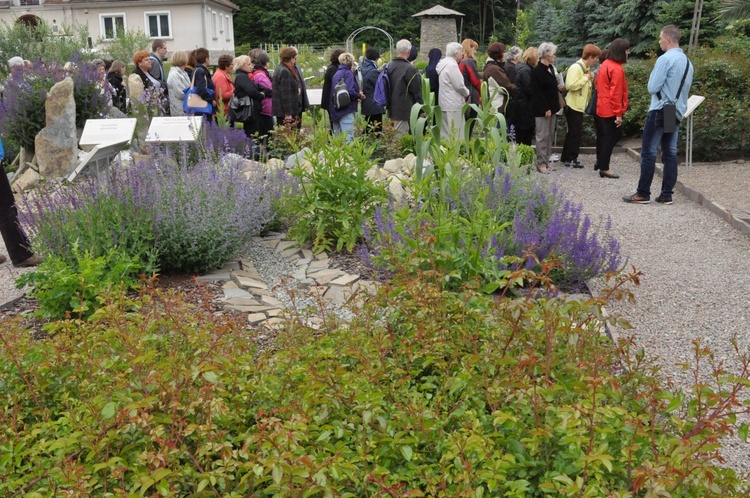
point(275, 312)
point(338, 295)
point(319, 265)
point(229, 293)
point(248, 273)
point(215, 277)
point(287, 244)
point(249, 283)
point(231, 265)
point(271, 301)
point(241, 301)
point(345, 280)
point(325, 276)
point(321, 257)
point(229, 285)
point(290, 253)
point(307, 254)
point(255, 318)
point(260, 308)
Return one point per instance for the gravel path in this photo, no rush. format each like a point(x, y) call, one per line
point(696, 282)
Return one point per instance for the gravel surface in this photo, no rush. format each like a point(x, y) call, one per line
point(696, 282)
point(726, 183)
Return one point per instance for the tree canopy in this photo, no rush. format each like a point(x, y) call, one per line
point(568, 23)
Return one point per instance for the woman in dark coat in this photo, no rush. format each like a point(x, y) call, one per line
point(264, 124)
point(325, 103)
point(545, 101)
point(286, 90)
point(244, 86)
point(434, 57)
point(114, 78)
point(519, 111)
point(371, 110)
point(204, 84)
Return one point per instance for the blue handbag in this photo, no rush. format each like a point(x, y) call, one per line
point(192, 103)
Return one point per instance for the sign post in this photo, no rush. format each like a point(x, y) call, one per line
point(693, 102)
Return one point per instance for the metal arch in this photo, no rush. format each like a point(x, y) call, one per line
point(351, 37)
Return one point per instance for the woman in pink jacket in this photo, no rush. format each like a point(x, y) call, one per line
point(263, 126)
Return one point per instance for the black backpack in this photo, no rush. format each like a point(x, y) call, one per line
point(341, 97)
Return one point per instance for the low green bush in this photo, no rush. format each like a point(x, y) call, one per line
point(335, 196)
point(63, 288)
point(425, 393)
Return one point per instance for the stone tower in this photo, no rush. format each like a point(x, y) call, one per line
point(438, 29)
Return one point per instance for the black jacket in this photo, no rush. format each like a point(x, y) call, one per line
point(244, 86)
point(330, 71)
point(544, 91)
point(406, 89)
point(119, 99)
point(519, 111)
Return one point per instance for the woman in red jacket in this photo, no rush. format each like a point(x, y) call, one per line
point(611, 104)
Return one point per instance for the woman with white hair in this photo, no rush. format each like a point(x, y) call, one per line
point(512, 56)
point(545, 102)
point(453, 91)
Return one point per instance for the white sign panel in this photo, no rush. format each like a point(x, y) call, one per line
point(693, 102)
point(174, 129)
point(315, 96)
point(102, 131)
point(99, 156)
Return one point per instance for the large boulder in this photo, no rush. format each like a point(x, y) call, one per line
point(56, 146)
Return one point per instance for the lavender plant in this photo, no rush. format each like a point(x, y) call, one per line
point(177, 216)
point(477, 225)
point(22, 111)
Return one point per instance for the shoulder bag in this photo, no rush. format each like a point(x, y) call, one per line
point(195, 104)
point(591, 107)
point(241, 109)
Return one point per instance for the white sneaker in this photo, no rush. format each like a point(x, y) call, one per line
point(554, 158)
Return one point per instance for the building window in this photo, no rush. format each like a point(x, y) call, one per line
point(158, 24)
point(226, 31)
point(215, 30)
point(111, 25)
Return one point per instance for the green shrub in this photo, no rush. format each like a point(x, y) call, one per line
point(335, 197)
point(63, 288)
point(425, 393)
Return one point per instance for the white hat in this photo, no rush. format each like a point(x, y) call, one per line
point(15, 61)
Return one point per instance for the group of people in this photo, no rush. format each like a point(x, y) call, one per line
point(527, 88)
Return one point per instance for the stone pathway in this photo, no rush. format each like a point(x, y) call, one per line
point(246, 291)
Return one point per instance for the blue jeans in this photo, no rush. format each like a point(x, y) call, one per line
point(345, 125)
point(653, 135)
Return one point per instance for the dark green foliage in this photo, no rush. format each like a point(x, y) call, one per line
point(425, 393)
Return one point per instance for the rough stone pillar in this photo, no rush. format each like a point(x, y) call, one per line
point(56, 146)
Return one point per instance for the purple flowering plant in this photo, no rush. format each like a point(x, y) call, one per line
point(481, 223)
point(22, 110)
point(174, 216)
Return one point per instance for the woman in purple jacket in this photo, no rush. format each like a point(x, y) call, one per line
point(343, 119)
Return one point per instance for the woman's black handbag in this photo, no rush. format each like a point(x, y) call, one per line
point(591, 107)
point(241, 109)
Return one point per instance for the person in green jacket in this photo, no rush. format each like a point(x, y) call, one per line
point(579, 83)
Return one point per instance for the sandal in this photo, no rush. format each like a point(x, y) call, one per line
point(544, 171)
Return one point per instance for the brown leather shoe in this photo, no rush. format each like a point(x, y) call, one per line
point(3, 259)
point(34, 260)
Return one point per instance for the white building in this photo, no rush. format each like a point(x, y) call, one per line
point(184, 24)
